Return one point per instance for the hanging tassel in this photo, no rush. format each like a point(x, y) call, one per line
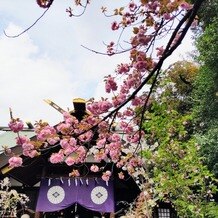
point(81, 181)
point(96, 180)
point(106, 183)
point(61, 180)
point(87, 181)
point(76, 181)
point(75, 207)
point(69, 182)
point(49, 182)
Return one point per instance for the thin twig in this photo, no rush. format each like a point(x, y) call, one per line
point(31, 26)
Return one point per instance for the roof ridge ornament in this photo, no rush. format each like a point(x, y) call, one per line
point(55, 106)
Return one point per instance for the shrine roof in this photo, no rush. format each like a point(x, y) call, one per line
point(7, 137)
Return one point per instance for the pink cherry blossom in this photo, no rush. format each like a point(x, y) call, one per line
point(100, 155)
point(94, 168)
point(93, 107)
point(114, 26)
point(150, 21)
point(105, 106)
point(110, 48)
point(46, 132)
point(91, 120)
point(141, 65)
point(74, 173)
point(160, 51)
point(137, 101)
point(65, 128)
point(128, 112)
point(110, 84)
point(143, 39)
point(103, 125)
point(53, 140)
point(124, 89)
point(72, 141)
point(15, 161)
point(121, 175)
point(120, 164)
point(101, 143)
point(27, 146)
point(126, 127)
point(69, 150)
point(115, 137)
point(56, 157)
point(106, 175)
point(81, 152)
point(70, 160)
point(33, 153)
point(64, 143)
point(114, 149)
point(119, 99)
point(153, 5)
point(86, 137)
point(69, 119)
point(133, 138)
point(22, 139)
point(186, 6)
point(99, 107)
point(123, 68)
point(132, 6)
point(166, 16)
point(16, 125)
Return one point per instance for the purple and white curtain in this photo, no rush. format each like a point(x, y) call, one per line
point(92, 193)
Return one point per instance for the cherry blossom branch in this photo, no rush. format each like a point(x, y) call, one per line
point(106, 54)
point(172, 44)
point(75, 137)
point(70, 10)
point(190, 16)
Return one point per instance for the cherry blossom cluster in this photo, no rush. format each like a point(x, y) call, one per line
point(76, 143)
point(94, 135)
point(16, 125)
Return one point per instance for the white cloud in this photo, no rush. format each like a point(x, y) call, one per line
point(27, 77)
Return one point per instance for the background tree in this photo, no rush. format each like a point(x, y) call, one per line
point(175, 164)
point(206, 95)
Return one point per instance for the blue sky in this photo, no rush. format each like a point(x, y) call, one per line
point(48, 61)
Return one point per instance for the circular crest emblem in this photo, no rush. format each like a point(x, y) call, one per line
point(99, 195)
point(56, 194)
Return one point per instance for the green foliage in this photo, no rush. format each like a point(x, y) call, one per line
point(178, 173)
point(205, 97)
point(183, 74)
point(209, 147)
point(207, 45)
point(175, 164)
point(177, 84)
point(211, 210)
